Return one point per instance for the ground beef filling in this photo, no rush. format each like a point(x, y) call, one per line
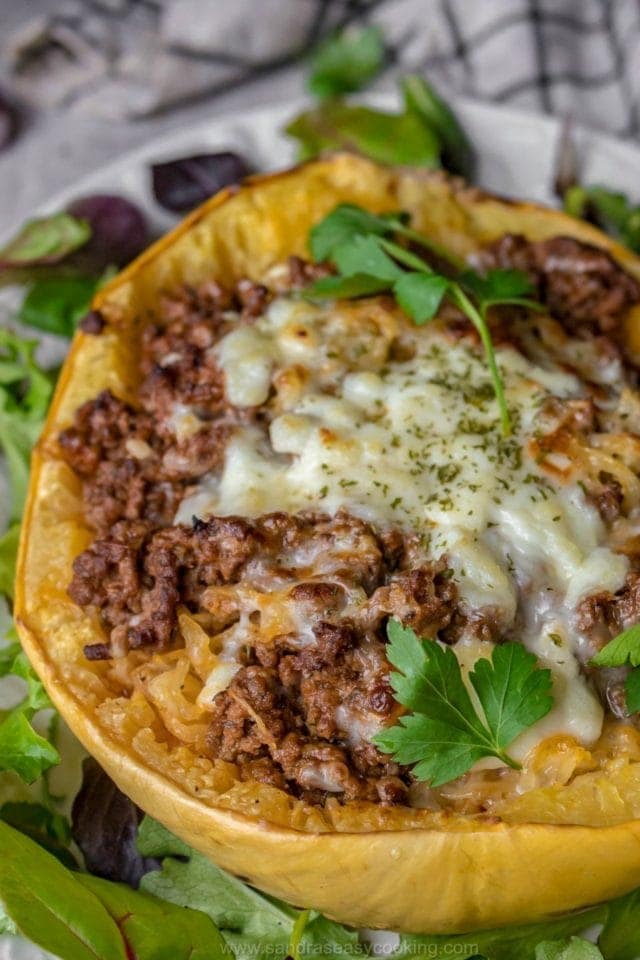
point(601, 617)
point(294, 713)
point(580, 284)
point(298, 714)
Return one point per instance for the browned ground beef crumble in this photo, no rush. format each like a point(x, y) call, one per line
point(581, 285)
point(277, 718)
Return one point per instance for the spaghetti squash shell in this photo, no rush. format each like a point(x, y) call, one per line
point(407, 870)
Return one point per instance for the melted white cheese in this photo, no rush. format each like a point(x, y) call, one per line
point(416, 443)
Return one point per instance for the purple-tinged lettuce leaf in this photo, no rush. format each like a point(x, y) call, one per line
point(105, 827)
point(119, 229)
point(181, 184)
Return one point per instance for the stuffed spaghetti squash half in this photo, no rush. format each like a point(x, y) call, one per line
point(247, 483)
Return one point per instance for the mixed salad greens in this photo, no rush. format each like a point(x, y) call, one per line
point(96, 879)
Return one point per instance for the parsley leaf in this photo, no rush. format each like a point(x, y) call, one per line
point(439, 751)
point(622, 650)
point(358, 285)
point(497, 286)
point(444, 735)
point(625, 648)
point(478, 319)
point(420, 295)
point(364, 255)
point(347, 221)
point(344, 224)
point(346, 62)
point(359, 244)
point(511, 691)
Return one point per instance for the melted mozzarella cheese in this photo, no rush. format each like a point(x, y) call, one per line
point(415, 442)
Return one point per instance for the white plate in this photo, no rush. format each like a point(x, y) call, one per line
point(516, 153)
point(516, 156)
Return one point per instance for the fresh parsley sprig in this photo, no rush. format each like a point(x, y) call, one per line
point(624, 650)
point(443, 735)
point(348, 221)
point(359, 244)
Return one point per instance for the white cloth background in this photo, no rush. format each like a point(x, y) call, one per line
point(97, 77)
